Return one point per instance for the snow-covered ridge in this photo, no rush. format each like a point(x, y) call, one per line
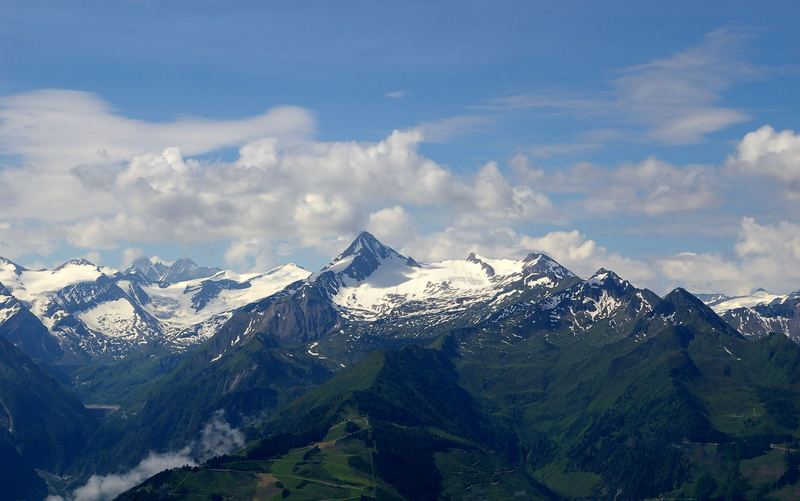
point(177, 304)
point(395, 283)
point(29, 285)
point(101, 311)
point(153, 270)
point(369, 284)
point(760, 313)
point(372, 281)
point(758, 297)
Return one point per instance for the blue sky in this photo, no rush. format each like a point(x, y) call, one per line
point(655, 97)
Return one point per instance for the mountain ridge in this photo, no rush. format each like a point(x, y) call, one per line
point(368, 283)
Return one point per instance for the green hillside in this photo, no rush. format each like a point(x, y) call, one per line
point(393, 417)
point(168, 414)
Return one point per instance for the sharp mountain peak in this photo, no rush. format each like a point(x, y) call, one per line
point(363, 256)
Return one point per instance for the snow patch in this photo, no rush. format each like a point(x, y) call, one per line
point(112, 318)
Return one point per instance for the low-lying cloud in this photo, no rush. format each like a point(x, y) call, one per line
point(217, 438)
point(106, 487)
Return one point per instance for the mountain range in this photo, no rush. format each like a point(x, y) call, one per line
point(759, 313)
point(94, 312)
point(97, 313)
point(382, 376)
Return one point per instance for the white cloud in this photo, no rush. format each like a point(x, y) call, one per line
point(585, 256)
point(571, 248)
point(131, 254)
point(243, 252)
point(445, 129)
point(567, 246)
point(780, 240)
point(765, 255)
point(769, 153)
point(107, 487)
point(283, 189)
point(72, 127)
point(458, 240)
point(524, 170)
point(651, 187)
point(18, 237)
point(397, 94)
point(676, 98)
point(94, 257)
point(392, 224)
point(703, 273)
point(136, 183)
point(216, 438)
point(70, 145)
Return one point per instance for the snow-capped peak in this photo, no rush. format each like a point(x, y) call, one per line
point(604, 276)
point(10, 266)
point(545, 265)
point(75, 262)
point(473, 258)
point(362, 257)
point(366, 244)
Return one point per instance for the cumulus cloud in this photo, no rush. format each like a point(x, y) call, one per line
point(765, 255)
point(129, 183)
point(392, 223)
point(62, 151)
point(496, 197)
point(772, 154)
point(584, 256)
point(18, 236)
point(457, 241)
point(105, 181)
point(243, 252)
point(704, 272)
